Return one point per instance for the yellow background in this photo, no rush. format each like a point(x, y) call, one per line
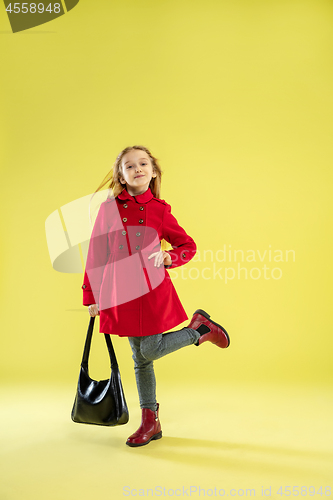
point(235, 100)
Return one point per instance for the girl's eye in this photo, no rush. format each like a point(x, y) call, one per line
point(130, 166)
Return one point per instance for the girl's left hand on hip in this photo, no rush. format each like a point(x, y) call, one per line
point(161, 257)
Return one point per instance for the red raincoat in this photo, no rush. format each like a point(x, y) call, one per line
point(135, 298)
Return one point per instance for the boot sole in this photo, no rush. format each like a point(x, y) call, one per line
point(207, 316)
point(135, 445)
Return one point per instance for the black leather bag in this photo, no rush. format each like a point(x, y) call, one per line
point(99, 402)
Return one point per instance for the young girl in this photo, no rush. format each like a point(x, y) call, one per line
point(126, 281)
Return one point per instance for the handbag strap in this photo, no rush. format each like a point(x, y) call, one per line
point(87, 345)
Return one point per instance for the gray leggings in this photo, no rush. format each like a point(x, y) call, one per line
point(146, 350)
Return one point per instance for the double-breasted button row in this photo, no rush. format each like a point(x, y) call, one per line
point(125, 218)
point(125, 206)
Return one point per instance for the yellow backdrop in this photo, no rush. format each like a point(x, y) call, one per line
point(235, 100)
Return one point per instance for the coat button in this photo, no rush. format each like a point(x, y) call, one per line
point(183, 255)
point(121, 246)
point(124, 219)
point(138, 234)
point(84, 286)
point(140, 221)
point(125, 205)
point(141, 208)
point(123, 232)
point(137, 247)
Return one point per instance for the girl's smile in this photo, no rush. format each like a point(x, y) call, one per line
point(137, 171)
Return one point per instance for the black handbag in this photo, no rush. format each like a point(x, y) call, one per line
point(99, 402)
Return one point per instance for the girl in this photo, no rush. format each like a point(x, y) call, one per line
point(126, 281)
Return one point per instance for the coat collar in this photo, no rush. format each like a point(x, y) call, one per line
point(139, 198)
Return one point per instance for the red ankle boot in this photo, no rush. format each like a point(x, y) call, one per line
point(149, 429)
point(209, 330)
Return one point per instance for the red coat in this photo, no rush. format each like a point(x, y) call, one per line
point(135, 298)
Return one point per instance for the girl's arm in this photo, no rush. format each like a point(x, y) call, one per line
point(183, 246)
point(96, 259)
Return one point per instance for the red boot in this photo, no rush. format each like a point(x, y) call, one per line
point(209, 330)
point(149, 429)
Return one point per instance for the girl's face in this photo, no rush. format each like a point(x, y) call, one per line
point(136, 171)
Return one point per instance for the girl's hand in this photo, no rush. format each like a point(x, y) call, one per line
point(93, 310)
point(161, 257)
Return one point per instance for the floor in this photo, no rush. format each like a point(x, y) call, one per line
point(233, 440)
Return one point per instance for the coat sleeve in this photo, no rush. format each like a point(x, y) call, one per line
point(183, 246)
point(96, 258)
